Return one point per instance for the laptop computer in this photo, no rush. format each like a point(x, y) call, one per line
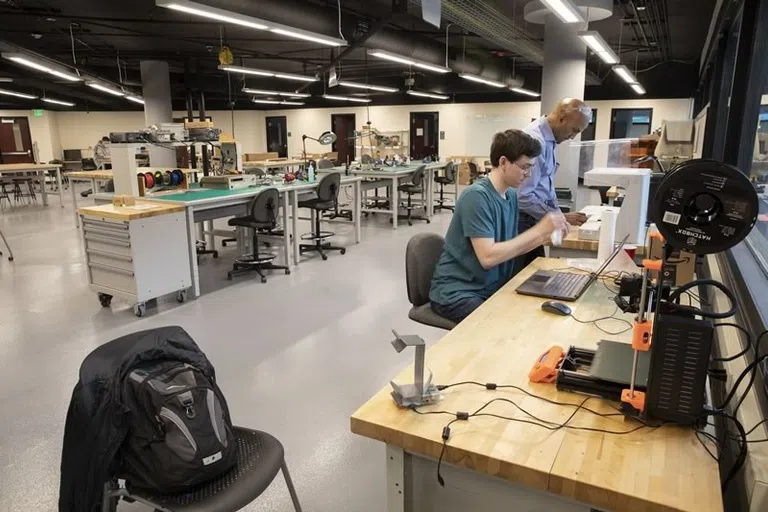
point(565, 286)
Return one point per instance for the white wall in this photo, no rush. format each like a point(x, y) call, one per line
point(81, 130)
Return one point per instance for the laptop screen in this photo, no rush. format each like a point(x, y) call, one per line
point(613, 255)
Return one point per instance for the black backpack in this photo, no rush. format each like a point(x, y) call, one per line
point(180, 432)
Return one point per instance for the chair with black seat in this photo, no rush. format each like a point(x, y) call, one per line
point(474, 174)
point(416, 186)
point(259, 458)
point(88, 164)
point(449, 178)
point(421, 257)
point(324, 163)
point(262, 214)
point(327, 200)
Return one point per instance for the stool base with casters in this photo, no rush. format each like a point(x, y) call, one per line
point(10, 252)
point(319, 245)
point(259, 458)
point(258, 264)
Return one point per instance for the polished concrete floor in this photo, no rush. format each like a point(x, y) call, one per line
point(295, 356)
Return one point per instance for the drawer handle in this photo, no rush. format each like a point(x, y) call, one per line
point(103, 224)
point(113, 255)
point(107, 240)
point(108, 232)
point(116, 270)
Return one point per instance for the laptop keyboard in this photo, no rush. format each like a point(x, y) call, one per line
point(565, 284)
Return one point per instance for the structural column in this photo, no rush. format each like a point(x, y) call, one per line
point(156, 84)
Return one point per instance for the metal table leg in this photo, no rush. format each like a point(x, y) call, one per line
point(194, 270)
point(395, 479)
point(395, 201)
point(58, 186)
point(358, 197)
point(42, 186)
point(294, 228)
point(74, 200)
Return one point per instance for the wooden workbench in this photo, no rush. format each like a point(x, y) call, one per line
point(142, 210)
point(650, 470)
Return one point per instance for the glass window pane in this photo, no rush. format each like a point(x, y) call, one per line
point(758, 173)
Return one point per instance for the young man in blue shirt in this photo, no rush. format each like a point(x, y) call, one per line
point(482, 240)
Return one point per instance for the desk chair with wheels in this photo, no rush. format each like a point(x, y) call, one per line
point(262, 214)
point(416, 186)
point(88, 164)
point(259, 457)
point(327, 200)
point(448, 179)
point(421, 256)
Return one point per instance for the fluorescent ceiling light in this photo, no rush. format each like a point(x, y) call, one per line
point(565, 10)
point(481, 80)
point(639, 89)
point(243, 20)
point(58, 102)
point(264, 72)
point(135, 99)
point(594, 40)
point(427, 95)
point(527, 92)
point(40, 67)
point(381, 54)
point(625, 74)
point(275, 93)
point(346, 98)
point(357, 85)
point(276, 102)
point(17, 94)
point(107, 90)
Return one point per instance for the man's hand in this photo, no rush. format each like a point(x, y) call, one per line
point(575, 218)
point(551, 222)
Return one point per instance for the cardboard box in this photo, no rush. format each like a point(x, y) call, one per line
point(464, 175)
point(681, 269)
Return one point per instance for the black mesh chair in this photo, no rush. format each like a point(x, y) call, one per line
point(259, 457)
point(324, 163)
point(262, 214)
point(474, 174)
point(448, 179)
point(421, 257)
point(416, 186)
point(327, 200)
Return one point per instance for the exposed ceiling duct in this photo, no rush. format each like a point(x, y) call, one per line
point(325, 21)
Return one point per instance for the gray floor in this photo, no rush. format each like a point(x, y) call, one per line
point(295, 356)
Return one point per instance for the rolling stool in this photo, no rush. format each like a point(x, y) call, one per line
point(4, 196)
point(263, 215)
point(326, 200)
point(259, 457)
point(448, 179)
point(18, 193)
point(412, 188)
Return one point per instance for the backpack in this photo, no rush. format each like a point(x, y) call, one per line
point(180, 433)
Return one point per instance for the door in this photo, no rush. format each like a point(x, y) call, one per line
point(277, 136)
point(343, 125)
point(15, 141)
point(425, 135)
point(630, 123)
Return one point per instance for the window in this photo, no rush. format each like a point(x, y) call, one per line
point(758, 173)
point(629, 123)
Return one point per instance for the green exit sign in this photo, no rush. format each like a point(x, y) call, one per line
point(38, 112)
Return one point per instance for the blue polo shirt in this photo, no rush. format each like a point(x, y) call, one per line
point(537, 193)
point(480, 213)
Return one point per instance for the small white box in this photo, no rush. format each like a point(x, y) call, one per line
point(590, 230)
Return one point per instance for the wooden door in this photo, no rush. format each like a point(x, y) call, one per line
point(15, 141)
point(425, 135)
point(343, 125)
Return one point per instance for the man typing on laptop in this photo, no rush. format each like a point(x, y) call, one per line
point(482, 240)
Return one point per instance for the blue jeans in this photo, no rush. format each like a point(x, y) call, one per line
point(459, 310)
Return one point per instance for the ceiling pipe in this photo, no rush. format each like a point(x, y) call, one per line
point(325, 21)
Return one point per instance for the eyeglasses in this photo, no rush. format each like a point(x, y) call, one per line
point(525, 168)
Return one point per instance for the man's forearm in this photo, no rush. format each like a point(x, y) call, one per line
point(536, 209)
point(504, 251)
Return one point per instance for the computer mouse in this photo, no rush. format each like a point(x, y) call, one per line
point(557, 308)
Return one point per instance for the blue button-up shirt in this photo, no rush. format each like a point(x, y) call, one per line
point(536, 196)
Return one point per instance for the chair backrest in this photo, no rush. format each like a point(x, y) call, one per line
point(450, 172)
point(473, 169)
point(421, 256)
point(418, 175)
point(89, 164)
point(328, 189)
point(324, 163)
point(264, 206)
point(366, 159)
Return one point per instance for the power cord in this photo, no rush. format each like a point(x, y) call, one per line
point(613, 317)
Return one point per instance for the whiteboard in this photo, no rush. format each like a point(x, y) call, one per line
point(480, 130)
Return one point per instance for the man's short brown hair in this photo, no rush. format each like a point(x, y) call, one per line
point(513, 144)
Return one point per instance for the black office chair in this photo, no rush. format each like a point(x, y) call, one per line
point(327, 199)
point(262, 214)
point(259, 457)
point(416, 186)
point(448, 179)
point(324, 163)
point(474, 174)
point(421, 257)
point(88, 164)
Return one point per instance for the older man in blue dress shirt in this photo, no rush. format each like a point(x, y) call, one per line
point(536, 197)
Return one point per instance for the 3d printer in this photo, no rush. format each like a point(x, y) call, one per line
point(703, 207)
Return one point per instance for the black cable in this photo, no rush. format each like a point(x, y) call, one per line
point(704, 445)
point(754, 372)
point(741, 457)
point(741, 376)
point(698, 311)
point(611, 317)
point(746, 349)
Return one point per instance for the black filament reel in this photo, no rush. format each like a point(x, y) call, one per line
point(705, 206)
